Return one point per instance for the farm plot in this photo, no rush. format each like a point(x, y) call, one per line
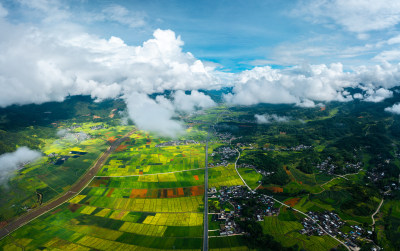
point(154, 181)
point(231, 243)
point(141, 193)
point(142, 159)
point(250, 176)
point(223, 176)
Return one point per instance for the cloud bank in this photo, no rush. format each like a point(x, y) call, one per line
point(306, 84)
point(52, 58)
point(10, 162)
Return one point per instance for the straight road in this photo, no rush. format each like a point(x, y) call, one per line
point(75, 189)
point(205, 235)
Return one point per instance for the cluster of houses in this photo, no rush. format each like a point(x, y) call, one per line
point(297, 148)
point(226, 153)
point(73, 127)
point(177, 143)
point(293, 148)
point(224, 137)
point(374, 175)
point(328, 167)
point(260, 171)
point(230, 195)
point(78, 136)
point(97, 127)
point(329, 221)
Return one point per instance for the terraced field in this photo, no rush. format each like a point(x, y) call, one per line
point(155, 201)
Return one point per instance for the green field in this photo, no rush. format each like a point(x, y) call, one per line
point(158, 208)
point(250, 176)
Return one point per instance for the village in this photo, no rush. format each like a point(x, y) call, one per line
point(237, 197)
point(233, 201)
point(330, 168)
point(225, 153)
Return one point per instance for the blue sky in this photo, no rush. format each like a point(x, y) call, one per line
point(240, 34)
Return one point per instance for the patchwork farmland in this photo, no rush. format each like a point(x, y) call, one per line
point(144, 198)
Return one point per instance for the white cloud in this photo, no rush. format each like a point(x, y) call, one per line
point(354, 15)
point(387, 56)
point(305, 84)
point(377, 95)
point(38, 65)
point(270, 118)
point(394, 40)
point(151, 115)
point(11, 162)
point(306, 103)
point(393, 109)
point(300, 84)
point(158, 114)
point(195, 100)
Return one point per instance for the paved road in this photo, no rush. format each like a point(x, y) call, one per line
point(76, 188)
point(205, 235)
point(244, 182)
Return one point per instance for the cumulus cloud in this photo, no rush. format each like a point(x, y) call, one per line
point(393, 109)
point(300, 84)
point(353, 15)
point(195, 100)
point(151, 115)
point(270, 118)
point(47, 64)
point(377, 95)
point(305, 84)
point(306, 103)
point(10, 162)
point(158, 114)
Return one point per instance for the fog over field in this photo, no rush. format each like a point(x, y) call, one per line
point(11, 162)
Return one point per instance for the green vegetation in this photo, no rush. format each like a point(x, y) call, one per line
point(341, 158)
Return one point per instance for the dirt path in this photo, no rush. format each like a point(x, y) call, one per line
point(373, 215)
point(338, 176)
point(75, 189)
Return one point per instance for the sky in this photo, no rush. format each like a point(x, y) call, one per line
point(295, 52)
point(240, 34)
